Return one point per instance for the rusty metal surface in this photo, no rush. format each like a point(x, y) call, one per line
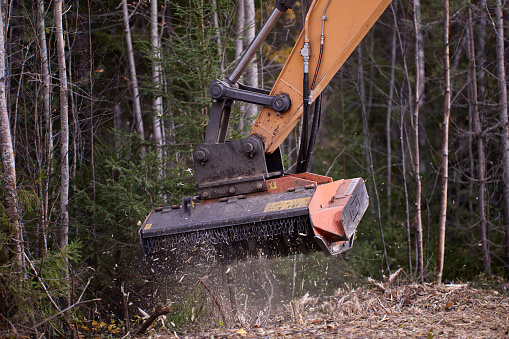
point(231, 168)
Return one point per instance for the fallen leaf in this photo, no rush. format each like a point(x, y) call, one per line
point(241, 332)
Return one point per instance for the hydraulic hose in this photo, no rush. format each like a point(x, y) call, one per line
point(307, 148)
point(304, 131)
point(314, 133)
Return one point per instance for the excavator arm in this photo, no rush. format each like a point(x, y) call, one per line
point(247, 204)
point(343, 24)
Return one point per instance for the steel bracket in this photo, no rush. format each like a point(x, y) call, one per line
point(231, 168)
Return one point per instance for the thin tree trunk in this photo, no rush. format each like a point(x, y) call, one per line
point(8, 160)
point(403, 137)
point(64, 127)
point(389, 119)
point(252, 69)
point(239, 42)
point(502, 90)
point(92, 126)
point(480, 52)
point(419, 90)
point(138, 117)
point(48, 123)
point(157, 105)
point(481, 156)
point(405, 188)
point(362, 98)
point(445, 149)
point(369, 158)
point(217, 35)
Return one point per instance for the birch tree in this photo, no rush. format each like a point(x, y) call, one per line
point(502, 94)
point(419, 90)
point(138, 117)
point(64, 126)
point(8, 160)
point(445, 149)
point(46, 98)
point(239, 42)
point(157, 104)
point(252, 69)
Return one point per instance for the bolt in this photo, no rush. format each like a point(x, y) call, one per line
point(249, 147)
point(201, 155)
point(231, 190)
point(259, 186)
point(205, 195)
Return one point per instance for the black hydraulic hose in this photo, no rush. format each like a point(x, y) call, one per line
point(314, 133)
point(305, 119)
point(317, 67)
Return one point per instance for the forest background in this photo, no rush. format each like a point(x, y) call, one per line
point(102, 102)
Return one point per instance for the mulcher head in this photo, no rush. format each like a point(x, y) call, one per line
point(298, 213)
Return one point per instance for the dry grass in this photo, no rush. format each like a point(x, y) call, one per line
point(382, 311)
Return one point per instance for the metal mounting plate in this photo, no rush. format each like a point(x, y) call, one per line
point(231, 168)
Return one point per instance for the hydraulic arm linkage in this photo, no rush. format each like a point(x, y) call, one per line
point(246, 204)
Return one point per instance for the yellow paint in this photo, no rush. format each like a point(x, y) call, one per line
point(286, 205)
point(147, 227)
point(272, 185)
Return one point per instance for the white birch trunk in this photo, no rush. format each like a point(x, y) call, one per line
point(48, 122)
point(157, 105)
point(64, 126)
point(138, 117)
point(8, 160)
point(239, 43)
point(445, 149)
point(252, 69)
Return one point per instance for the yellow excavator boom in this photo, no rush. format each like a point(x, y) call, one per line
point(346, 24)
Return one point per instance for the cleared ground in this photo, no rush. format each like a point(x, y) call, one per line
point(378, 311)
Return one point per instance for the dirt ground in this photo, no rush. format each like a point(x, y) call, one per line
point(378, 311)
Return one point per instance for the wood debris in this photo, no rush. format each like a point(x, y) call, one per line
point(382, 310)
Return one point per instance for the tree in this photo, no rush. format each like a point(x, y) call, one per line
point(64, 127)
point(157, 103)
point(8, 161)
point(138, 117)
point(419, 92)
point(252, 70)
point(48, 121)
point(445, 149)
point(502, 94)
point(479, 136)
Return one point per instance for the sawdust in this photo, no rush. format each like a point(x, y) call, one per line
point(380, 311)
